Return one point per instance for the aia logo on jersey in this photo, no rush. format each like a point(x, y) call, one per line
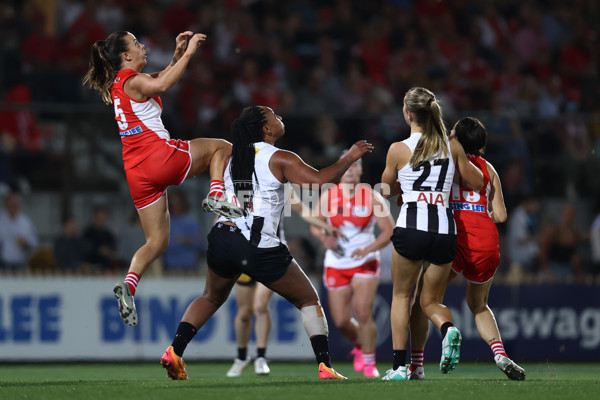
point(431, 198)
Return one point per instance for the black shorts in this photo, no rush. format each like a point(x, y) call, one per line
point(437, 248)
point(230, 254)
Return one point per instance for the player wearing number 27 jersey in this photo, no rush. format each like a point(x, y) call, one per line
point(424, 166)
point(425, 192)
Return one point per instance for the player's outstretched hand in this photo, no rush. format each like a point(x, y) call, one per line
point(195, 42)
point(181, 43)
point(330, 242)
point(335, 232)
point(359, 149)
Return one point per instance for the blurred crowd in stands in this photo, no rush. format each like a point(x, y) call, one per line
point(534, 247)
point(337, 71)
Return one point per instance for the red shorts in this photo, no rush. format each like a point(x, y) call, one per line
point(169, 164)
point(336, 278)
point(476, 266)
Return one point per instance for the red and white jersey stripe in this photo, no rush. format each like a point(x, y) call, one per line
point(353, 216)
point(140, 124)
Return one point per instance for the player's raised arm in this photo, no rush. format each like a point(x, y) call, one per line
point(471, 175)
point(181, 42)
point(143, 85)
point(291, 167)
point(313, 217)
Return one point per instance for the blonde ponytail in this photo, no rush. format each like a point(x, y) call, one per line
point(428, 114)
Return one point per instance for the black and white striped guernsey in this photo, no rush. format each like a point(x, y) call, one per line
point(425, 193)
point(261, 224)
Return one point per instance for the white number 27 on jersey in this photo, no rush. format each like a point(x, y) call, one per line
point(120, 114)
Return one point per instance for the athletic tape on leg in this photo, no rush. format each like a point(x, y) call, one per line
point(314, 321)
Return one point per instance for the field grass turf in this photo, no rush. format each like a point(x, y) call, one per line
point(290, 381)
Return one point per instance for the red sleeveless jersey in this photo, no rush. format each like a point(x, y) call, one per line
point(140, 125)
point(354, 218)
point(357, 210)
point(475, 228)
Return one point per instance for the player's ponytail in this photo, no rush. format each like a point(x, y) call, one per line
point(423, 104)
point(245, 131)
point(105, 62)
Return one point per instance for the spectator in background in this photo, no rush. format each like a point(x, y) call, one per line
point(6, 175)
point(41, 52)
point(70, 249)
point(247, 81)
point(20, 134)
point(18, 236)
point(354, 89)
point(522, 236)
point(101, 242)
point(552, 99)
point(186, 239)
point(328, 139)
point(529, 40)
point(560, 258)
point(82, 33)
point(110, 15)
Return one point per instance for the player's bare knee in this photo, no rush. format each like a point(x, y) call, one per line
point(306, 302)
point(215, 298)
point(363, 315)
point(424, 303)
point(261, 308)
point(245, 318)
point(341, 322)
point(158, 243)
point(477, 306)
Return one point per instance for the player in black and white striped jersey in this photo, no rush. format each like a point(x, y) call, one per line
point(250, 244)
point(421, 169)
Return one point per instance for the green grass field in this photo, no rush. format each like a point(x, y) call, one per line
point(290, 382)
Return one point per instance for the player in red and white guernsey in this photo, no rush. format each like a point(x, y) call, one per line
point(351, 267)
point(152, 160)
point(477, 255)
point(421, 168)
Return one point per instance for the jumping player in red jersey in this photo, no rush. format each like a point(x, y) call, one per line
point(152, 160)
point(477, 255)
point(351, 267)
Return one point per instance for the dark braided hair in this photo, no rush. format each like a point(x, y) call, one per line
point(105, 62)
point(245, 131)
